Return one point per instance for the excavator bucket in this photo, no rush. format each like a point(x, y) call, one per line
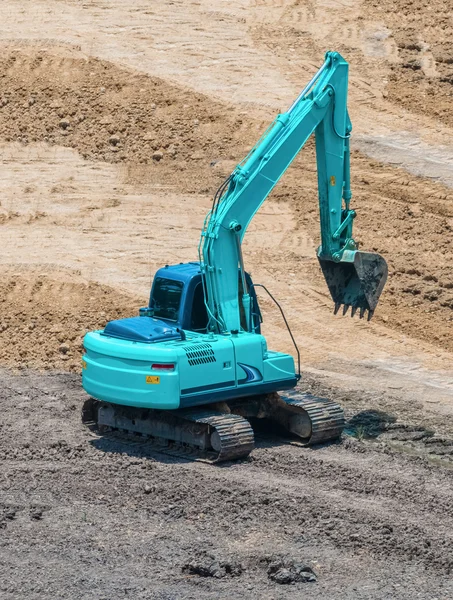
point(356, 281)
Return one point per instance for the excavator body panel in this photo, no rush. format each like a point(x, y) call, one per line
point(199, 369)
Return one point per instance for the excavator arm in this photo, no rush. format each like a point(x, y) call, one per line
point(354, 278)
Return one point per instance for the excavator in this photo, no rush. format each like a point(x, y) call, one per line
point(193, 368)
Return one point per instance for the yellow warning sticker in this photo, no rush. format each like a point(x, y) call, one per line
point(333, 181)
point(84, 364)
point(152, 379)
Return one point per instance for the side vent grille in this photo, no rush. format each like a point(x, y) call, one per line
point(200, 354)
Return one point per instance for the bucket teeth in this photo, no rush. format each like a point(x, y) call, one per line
point(362, 310)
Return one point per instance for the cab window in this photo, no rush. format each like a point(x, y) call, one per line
point(166, 298)
point(199, 316)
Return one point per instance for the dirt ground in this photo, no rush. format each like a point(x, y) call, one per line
point(118, 121)
point(89, 517)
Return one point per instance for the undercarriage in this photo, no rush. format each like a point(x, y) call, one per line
point(221, 432)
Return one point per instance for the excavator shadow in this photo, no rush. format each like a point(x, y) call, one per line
point(410, 439)
point(369, 424)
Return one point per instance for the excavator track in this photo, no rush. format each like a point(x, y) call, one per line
point(214, 436)
point(326, 418)
point(310, 419)
point(232, 436)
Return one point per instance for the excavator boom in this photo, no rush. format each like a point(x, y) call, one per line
point(354, 278)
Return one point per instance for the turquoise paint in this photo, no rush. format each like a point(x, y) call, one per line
point(229, 362)
point(321, 110)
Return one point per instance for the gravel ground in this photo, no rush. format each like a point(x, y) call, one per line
point(88, 517)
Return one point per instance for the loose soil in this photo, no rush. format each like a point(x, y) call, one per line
point(108, 114)
point(89, 517)
point(117, 124)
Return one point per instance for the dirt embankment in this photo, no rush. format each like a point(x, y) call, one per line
point(110, 114)
point(422, 75)
point(409, 221)
point(44, 317)
point(399, 50)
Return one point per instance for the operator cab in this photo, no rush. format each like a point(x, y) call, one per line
point(177, 298)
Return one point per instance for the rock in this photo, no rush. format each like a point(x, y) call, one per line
point(282, 576)
point(147, 489)
point(158, 155)
point(64, 123)
point(216, 570)
point(204, 569)
point(288, 571)
point(115, 140)
point(304, 573)
point(208, 566)
point(64, 348)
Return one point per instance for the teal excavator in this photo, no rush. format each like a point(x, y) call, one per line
point(193, 368)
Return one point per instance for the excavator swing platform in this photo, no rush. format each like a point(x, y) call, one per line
point(193, 369)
